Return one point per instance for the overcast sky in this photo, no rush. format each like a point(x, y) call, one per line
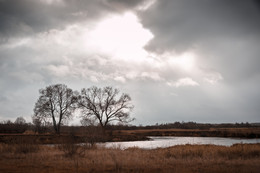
point(179, 60)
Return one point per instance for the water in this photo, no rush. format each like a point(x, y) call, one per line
point(163, 142)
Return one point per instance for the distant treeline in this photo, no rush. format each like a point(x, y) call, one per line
point(13, 128)
point(20, 126)
point(184, 125)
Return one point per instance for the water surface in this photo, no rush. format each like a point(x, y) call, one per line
point(163, 142)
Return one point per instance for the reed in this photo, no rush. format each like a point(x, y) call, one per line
point(182, 158)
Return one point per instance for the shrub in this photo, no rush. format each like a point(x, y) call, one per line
point(70, 148)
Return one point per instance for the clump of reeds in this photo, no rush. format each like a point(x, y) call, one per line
point(20, 146)
point(240, 151)
point(71, 148)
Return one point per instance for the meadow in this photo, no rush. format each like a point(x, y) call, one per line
point(48, 152)
point(74, 158)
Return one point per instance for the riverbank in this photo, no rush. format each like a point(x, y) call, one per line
point(64, 138)
point(185, 158)
point(253, 132)
point(93, 136)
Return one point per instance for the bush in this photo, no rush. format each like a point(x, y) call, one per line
point(70, 148)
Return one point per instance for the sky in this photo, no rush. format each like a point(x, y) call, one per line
point(179, 60)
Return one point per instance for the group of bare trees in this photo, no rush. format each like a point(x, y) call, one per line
point(18, 126)
point(57, 103)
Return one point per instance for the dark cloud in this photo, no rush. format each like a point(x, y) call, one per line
point(123, 5)
point(40, 48)
point(225, 36)
point(184, 24)
point(25, 17)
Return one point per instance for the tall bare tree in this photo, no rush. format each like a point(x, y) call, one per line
point(20, 120)
point(104, 105)
point(56, 102)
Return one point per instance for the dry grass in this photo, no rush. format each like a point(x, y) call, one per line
point(185, 158)
point(212, 132)
point(21, 145)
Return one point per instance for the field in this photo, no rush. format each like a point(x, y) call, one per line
point(186, 158)
point(29, 152)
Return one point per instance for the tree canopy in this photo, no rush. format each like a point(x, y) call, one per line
point(20, 120)
point(56, 103)
point(104, 105)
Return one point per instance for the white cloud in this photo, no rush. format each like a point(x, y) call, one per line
point(183, 82)
point(213, 78)
point(146, 5)
point(121, 36)
point(120, 79)
point(94, 79)
point(151, 75)
point(58, 70)
point(16, 42)
point(110, 49)
point(185, 61)
point(52, 2)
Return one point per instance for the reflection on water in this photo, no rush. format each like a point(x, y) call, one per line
point(162, 142)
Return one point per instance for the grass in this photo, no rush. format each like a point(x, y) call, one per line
point(183, 158)
point(212, 132)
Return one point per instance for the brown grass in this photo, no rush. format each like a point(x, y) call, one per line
point(184, 158)
point(212, 132)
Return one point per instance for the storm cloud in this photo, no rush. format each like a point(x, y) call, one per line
point(180, 60)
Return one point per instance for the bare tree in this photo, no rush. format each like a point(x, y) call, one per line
point(56, 102)
point(104, 105)
point(20, 120)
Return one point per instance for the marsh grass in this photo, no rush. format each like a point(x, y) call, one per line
point(20, 146)
point(183, 158)
point(71, 149)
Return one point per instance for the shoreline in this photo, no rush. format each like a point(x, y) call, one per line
point(129, 135)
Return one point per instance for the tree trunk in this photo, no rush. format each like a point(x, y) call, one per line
point(58, 128)
point(55, 125)
point(103, 129)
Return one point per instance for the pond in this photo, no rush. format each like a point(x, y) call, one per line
point(163, 142)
